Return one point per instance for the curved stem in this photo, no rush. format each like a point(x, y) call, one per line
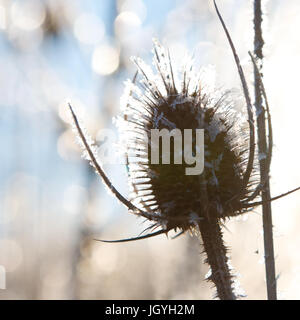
point(250, 163)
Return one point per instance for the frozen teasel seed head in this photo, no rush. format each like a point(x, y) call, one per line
point(167, 98)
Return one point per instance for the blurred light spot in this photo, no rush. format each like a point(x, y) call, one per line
point(129, 18)
point(2, 18)
point(105, 258)
point(105, 60)
point(28, 15)
point(19, 196)
point(74, 199)
point(67, 147)
point(88, 28)
point(127, 25)
point(11, 255)
point(136, 6)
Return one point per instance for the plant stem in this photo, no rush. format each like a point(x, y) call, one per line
point(263, 148)
point(216, 258)
point(214, 246)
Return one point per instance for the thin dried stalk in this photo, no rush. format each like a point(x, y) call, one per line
point(263, 150)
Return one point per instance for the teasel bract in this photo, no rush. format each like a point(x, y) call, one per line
point(163, 193)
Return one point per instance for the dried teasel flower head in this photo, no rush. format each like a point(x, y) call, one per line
point(160, 101)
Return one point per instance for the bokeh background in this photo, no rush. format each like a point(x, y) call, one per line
point(52, 204)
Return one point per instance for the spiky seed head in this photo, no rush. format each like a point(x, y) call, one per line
point(161, 101)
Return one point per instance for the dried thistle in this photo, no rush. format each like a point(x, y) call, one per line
point(163, 193)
